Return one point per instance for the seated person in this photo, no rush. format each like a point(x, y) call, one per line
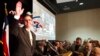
point(42, 47)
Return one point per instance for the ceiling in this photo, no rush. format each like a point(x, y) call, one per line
point(71, 6)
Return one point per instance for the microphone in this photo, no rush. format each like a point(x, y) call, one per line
point(6, 12)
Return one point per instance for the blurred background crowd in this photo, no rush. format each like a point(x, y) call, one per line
point(79, 47)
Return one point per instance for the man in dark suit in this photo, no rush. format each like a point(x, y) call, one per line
point(22, 40)
point(88, 50)
point(42, 47)
point(77, 47)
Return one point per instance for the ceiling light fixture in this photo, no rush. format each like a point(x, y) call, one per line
point(63, 1)
point(81, 3)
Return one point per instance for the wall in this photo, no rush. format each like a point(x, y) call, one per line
point(84, 24)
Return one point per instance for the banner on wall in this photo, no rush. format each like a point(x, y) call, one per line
point(44, 23)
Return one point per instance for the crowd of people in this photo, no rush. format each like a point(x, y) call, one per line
point(23, 43)
point(77, 48)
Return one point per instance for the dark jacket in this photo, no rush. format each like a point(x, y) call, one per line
point(77, 48)
point(19, 40)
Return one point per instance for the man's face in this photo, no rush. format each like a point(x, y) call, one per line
point(89, 46)
point(58, 44)
point(28, 21)
point(78, 42)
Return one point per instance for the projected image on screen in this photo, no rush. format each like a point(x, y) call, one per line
point(44, 24)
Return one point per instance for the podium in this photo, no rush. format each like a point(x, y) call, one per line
point(69, 53)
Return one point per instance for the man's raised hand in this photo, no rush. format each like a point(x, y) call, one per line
point(19, 10)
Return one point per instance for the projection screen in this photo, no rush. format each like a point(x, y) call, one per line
point(43, 23)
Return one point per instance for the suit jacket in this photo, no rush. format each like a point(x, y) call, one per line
point(79, 49)
point(44, 52)
point(19, 40)
point(75, 49)
point(86, 53)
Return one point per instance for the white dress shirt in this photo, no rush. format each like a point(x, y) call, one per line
point(30, 37)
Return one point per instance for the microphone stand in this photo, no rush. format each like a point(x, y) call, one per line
point(52, 47)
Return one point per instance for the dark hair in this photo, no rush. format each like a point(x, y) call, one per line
point(28, 15)
point(78, 38)
point(55, 42)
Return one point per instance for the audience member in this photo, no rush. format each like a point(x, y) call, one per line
point(88, 50)
point(77, 48)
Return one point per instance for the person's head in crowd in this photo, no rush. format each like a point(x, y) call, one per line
point(42, 43)
point(61, 43)
point(89, 46)
point(74, 42)
point(85, 43)
point(57, 43)
point(95, 43)
point(78, 41)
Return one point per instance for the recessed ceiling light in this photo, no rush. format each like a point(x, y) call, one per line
point(63, 1)
point(81, 3)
